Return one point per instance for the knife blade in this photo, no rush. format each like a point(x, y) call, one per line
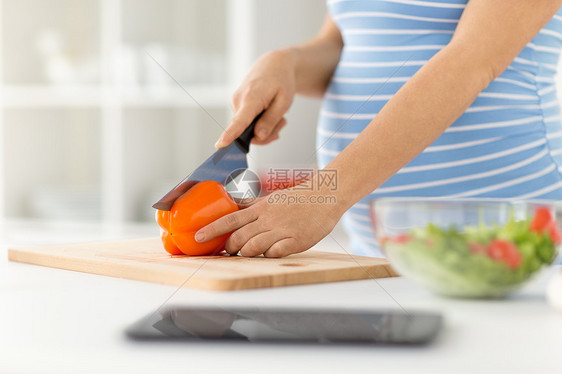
point(217, 167)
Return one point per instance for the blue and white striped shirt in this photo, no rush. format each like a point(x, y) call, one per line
point(508, 143)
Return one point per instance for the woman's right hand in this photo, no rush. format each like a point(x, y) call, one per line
point(269, 87)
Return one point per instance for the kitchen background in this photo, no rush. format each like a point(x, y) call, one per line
point(92, 128)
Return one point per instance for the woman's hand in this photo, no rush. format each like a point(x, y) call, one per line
point(274, 79)
point(269, 87)
point(282, 223)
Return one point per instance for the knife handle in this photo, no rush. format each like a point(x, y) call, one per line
point(243, 141)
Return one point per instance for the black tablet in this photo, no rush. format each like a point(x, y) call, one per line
point(288, 325)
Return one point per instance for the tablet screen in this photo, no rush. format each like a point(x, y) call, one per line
point(255, 325)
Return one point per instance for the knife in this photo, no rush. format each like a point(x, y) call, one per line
point(218, 167)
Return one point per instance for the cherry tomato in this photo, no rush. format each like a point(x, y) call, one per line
point(200, 205)
point(504, 251)
point(543, 221)
point(402, 238)
point(555, 234)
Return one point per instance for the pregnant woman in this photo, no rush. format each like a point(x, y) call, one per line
point(436, 98)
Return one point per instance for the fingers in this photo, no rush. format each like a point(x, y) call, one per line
point(283, 247)
point(246, 109)
point(242, 119)
point(226, 224)
point(252, 236)
point(272, 117)
point(250, 242)
point(274, 135)
point(242, 236)
point(258, 244)
point(247, 202)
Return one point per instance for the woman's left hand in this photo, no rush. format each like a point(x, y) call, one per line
point(282, 223)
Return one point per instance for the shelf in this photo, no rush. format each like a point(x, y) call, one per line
point(91, 121)
point(206, 96)
point(50, 41)
point(93, 96)
point(54, 168)
point(50, 96)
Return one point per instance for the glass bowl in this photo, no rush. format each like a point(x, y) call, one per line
point(467, 248)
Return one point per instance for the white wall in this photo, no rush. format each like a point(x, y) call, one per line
point(279, 24)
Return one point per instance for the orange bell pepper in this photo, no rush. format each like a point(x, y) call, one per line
point(202, 204)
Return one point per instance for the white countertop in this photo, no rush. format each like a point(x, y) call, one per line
point(57, 321)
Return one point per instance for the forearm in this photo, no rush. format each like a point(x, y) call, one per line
point(482, 47)
point(413, 119)
point(316, 60)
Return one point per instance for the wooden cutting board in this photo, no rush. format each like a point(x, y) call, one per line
point(145, 259)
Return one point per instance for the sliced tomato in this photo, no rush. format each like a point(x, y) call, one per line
point(555, 234)
point(504, 251)
point(542, 220)
point(402, 238)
